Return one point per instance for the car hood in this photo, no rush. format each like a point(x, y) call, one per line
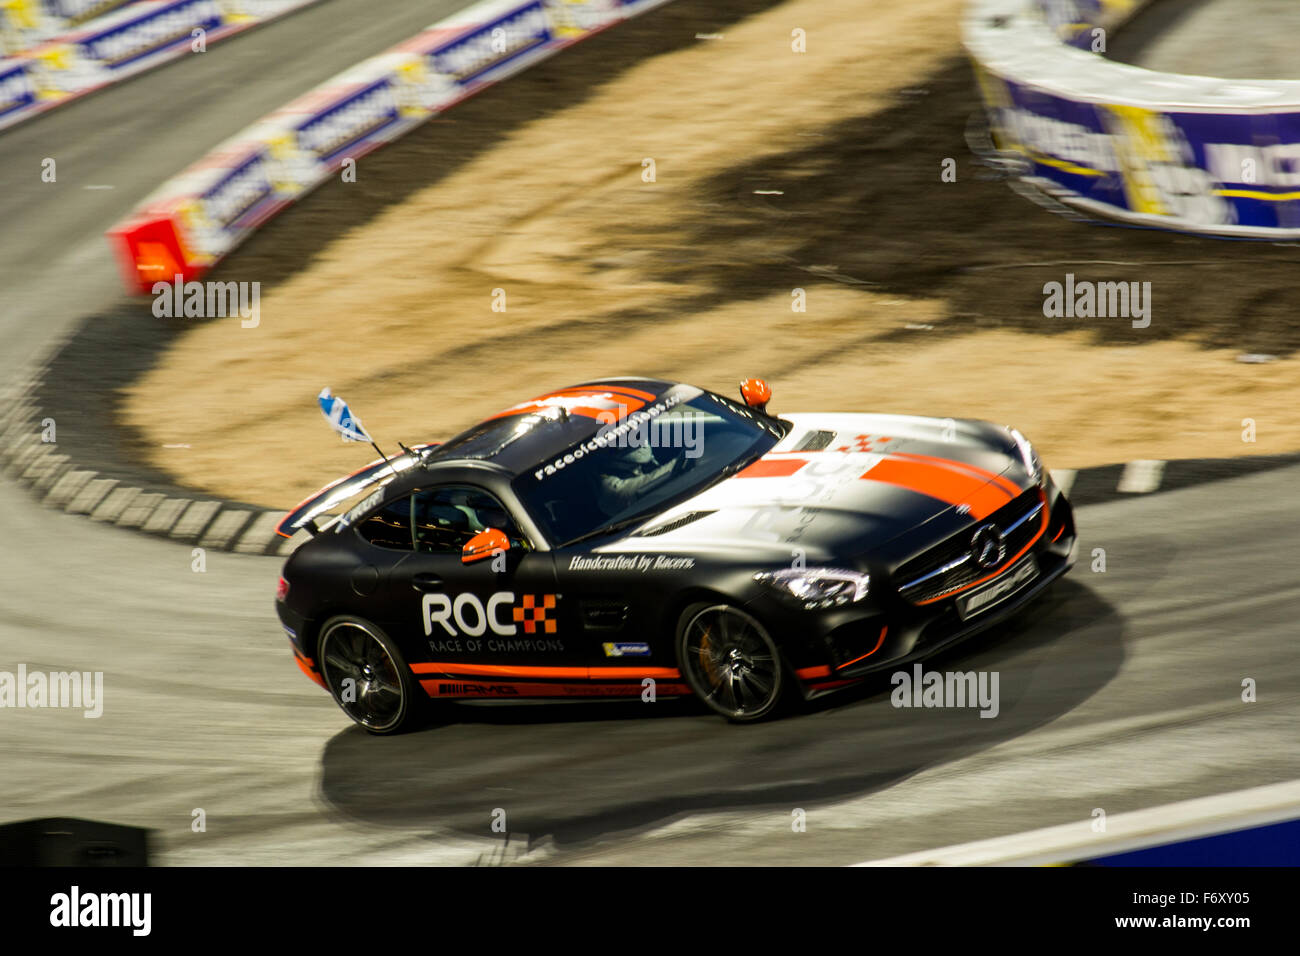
point(844, 485)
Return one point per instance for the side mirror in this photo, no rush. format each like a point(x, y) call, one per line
point(756, 393)
point(484, 545)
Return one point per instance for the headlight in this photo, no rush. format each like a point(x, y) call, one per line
point(817, 588)
point(1033, 464)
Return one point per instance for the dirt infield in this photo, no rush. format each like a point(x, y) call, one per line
point(774, 171)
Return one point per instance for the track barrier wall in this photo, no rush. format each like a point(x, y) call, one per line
point(1198, 154)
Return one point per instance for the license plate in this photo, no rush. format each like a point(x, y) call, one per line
point(977, 602)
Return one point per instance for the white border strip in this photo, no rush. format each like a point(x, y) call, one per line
point(1010, 38)
point(1155, 826)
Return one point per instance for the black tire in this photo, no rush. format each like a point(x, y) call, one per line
point(730, 661)
point(385, 697)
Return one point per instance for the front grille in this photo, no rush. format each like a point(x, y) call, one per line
point(949, 565)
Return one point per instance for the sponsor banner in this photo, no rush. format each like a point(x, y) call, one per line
point(1195, 170)
point(576, 18)
point(76, 12)
point(25, 24)
point(17, 90)
point(1073, 21)
point(348, 123)
point(1194, 154)
point(147, 30)
point(627, 649)
point(233, 198)
point(195, 219)
point(133, 38)
point(473, 55)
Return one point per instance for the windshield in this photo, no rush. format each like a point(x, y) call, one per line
point(645, 463)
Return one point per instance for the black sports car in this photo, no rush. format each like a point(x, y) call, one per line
point(637, 538)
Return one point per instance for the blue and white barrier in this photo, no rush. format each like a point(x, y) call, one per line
point(1192, 153)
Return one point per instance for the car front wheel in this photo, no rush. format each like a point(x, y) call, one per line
point(730, 661)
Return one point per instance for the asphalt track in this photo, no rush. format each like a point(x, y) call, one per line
point(1237, 39)
point(1121, 691)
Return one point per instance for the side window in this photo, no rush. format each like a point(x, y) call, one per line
point(390, 526)
point(444, 519)
point(438, 520)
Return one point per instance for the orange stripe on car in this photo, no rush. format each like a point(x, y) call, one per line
point(880, 640)
point(624, 389)
point(633, 673)
point(559, 673)
point(773, 468)
point(808, 673)
point(505, 690)
point(832, 684)
point(946, 484)
point(630, 400)
point(1006, 484)
point(305, 665)
point(502, 670)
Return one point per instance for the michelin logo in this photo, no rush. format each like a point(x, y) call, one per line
point(632, 649)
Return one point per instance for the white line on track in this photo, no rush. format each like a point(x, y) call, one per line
point(1154, 826)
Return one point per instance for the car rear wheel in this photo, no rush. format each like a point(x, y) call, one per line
point(367, 675)
point(730, 661)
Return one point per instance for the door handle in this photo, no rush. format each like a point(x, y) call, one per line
point(426, 582)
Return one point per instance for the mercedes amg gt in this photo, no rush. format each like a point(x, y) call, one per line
point(638, 538)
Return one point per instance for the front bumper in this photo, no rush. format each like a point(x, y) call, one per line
point(910, 640)
point(836, 648)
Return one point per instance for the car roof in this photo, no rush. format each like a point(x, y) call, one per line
point(517, 438)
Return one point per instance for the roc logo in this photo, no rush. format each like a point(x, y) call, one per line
point(468, 615)
point(864, 443)
point(530, 614)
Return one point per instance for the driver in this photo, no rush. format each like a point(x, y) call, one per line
point(627, 476)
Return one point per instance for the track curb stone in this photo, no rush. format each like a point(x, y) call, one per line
point(56, 476)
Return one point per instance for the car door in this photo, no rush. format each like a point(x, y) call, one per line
point(498, 616)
